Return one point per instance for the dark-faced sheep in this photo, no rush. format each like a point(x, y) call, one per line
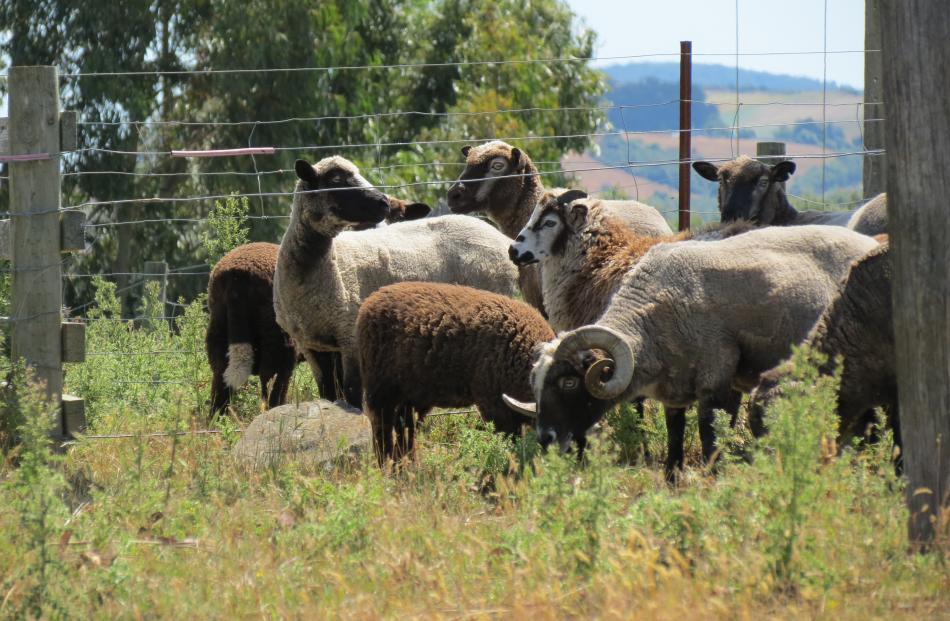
point(325, 272)
point(425, 345)
point(243, 337)
point(584, 254)
point(857, 326)
point(692, 320)
point(751, 190)
point(502, 182)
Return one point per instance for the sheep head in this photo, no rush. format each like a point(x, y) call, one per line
point(494, 176)
point(555, 217)
point(332, 195)
point(577, 378)
point(399, 211)
point(748, 189)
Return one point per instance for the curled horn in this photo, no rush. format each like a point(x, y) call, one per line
point(525, 409)
point(621, 359)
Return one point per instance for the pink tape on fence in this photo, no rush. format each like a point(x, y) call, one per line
point(26, 157)
point(225, 152)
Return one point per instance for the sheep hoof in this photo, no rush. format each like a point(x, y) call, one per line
point(240, 364)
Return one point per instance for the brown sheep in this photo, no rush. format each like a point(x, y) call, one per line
point(243, 337)
point(857, 325)
point(424, 345)
point(502, 182)
point(751, 190)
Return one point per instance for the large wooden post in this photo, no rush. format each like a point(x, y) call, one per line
point(874, 178)
point(917, 99)
point(34, 211)
point(37, 233)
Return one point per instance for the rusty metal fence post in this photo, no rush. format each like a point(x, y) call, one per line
point(686, 101)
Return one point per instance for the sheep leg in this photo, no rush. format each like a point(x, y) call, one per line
point(216, 345)
point(405, 432)
point(675, 436)
point(220, 394)
point(729, 401)
point(352, 381)
point(381, 421)
point(324, 363)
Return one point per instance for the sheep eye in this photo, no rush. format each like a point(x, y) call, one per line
point(337, 179)
point(763, 181)
point(497, 165)
point(568, 383)
point(549, 223)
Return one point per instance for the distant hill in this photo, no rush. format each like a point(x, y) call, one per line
point(718, 76)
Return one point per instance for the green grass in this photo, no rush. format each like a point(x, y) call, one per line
point(478, 526)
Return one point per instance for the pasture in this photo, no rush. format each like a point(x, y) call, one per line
point(477, 526)
point(666, 431)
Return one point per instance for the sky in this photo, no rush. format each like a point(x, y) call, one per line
point(630, 27)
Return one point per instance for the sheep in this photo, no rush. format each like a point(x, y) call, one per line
point(502, 182)
point(423, 345)
point(871, 218)
point(751, 190)
point(324, 273)
point(243, 337)
point(692, 320)
point(857, 326)
point(584, 253)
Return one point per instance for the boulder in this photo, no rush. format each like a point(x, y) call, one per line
point(316, 433)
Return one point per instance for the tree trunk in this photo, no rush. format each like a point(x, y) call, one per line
point(917, 99)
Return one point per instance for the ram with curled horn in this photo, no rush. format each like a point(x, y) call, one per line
point(693, 320)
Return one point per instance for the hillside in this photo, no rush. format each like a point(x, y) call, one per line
point(719, 76)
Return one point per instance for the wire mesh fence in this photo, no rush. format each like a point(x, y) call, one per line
point(174, 184)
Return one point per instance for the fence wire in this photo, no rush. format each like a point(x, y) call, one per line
point(193, 208)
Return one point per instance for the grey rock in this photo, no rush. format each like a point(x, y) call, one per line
point(316, 433)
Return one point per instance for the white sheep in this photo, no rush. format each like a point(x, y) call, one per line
point(692, 320)
point(584, 254)
point(324, 272)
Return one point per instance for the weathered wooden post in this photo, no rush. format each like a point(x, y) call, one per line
point(917, 99)
point(686, 126)
point(874, 174)
point(37, 136)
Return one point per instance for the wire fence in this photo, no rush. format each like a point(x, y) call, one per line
point(187, 209)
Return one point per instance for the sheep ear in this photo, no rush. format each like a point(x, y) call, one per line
point(707, 170)
point(782, 171)
point(577, 215)
point(571, 195)
point(517, 158)
point(466, 149)
point(416, 211)
point(305, 171)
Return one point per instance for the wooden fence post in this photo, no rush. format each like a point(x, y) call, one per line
point(916, 95)
point(37, 135)
point(34, 211)
point(874, 175)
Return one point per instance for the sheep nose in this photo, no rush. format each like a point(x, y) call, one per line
point(456, 191)
point(546, 437)
point(513, 253)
